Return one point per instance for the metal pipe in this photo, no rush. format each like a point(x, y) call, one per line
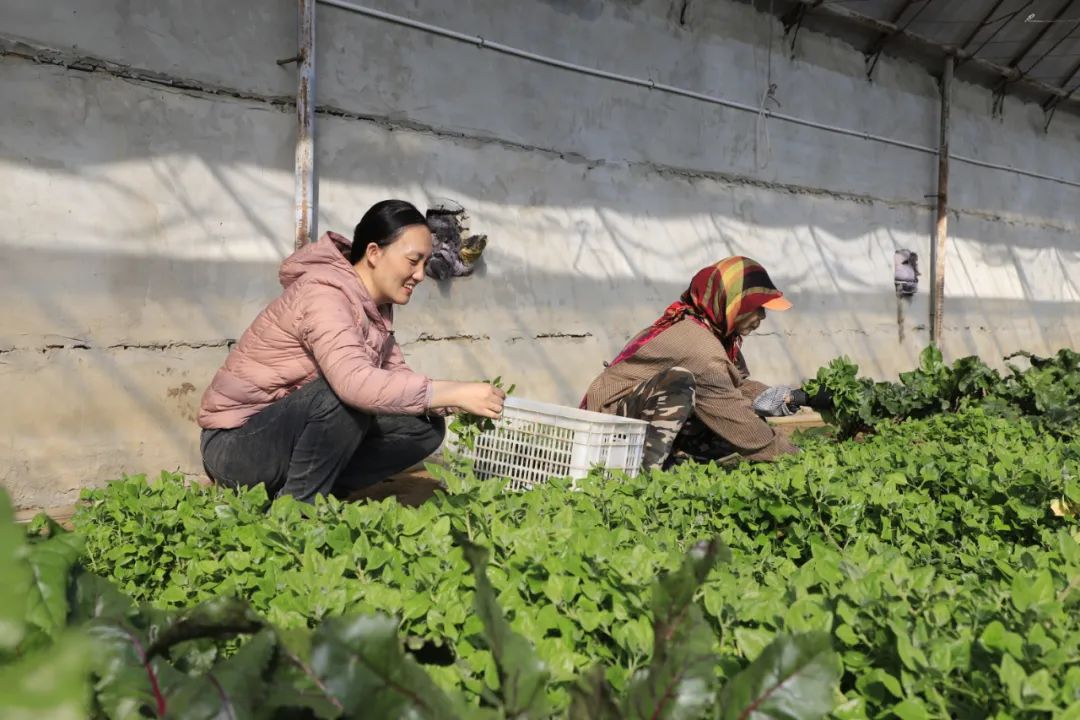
point(876, 49)
point(941, 229)
point(671, 89)
point(1019, 57)
point(1002, 22)
point(304, 207)
point(1052, 48)
point(615, 77)
point(1009, 168)
point(980, 25)
point(1009, 73)
point(1069, 75)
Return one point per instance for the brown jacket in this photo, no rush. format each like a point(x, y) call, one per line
point(723, 394)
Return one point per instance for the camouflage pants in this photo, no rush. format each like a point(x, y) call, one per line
point(675, 433)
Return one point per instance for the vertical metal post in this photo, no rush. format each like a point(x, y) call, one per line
point(941, 230)
point(306, 219)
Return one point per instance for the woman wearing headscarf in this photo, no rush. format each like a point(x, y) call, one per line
point(686, 376)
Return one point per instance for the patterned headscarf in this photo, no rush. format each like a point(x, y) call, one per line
point(717, 295)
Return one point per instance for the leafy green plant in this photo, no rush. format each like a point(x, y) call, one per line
point(147, 663)
point(1047, 393)
point(466, 427)
point(1049, 389)
point(43, 666)
point(851, 409)
point(929, 552)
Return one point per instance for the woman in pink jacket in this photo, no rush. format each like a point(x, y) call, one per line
point(316, 397)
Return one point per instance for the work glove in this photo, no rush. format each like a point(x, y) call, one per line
point(776, 401)
point(799, 398)
point(823, 400)
point(820, 401)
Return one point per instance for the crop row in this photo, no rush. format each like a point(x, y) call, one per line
point(940, 555)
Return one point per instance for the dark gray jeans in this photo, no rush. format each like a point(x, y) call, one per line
point(310, 443)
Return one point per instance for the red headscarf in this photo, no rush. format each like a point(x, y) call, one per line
point(717, 295)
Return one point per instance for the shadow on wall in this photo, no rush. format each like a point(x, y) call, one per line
point(81, 125)
point(585, 247)
point(116, 405)
point(187, 227)
point(153, 266)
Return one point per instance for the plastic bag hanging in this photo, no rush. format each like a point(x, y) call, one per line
point(906, 272)
point(455, 251)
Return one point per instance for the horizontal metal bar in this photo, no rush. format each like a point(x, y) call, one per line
point(1010, 168)
point(480, 42)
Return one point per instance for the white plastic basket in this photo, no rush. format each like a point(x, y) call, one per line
point(534, 441)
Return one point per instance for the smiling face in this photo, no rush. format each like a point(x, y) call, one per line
point(748, 322)
point(391, 272)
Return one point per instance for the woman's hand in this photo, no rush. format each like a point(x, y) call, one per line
point(478, 398)
point(481, 399)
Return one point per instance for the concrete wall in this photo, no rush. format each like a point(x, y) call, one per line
point(146, 200)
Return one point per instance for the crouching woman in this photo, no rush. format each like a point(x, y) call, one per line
point(316, 397)
point(685, 373)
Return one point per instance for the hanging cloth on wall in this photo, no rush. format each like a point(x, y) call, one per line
point(454, 251)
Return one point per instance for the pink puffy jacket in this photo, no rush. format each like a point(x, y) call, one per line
point(323, 323)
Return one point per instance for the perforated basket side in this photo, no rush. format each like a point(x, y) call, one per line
point(610, 446)
point(528, 451)
point(535, 441)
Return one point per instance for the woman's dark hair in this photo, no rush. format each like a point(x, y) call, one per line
point(382, 224)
